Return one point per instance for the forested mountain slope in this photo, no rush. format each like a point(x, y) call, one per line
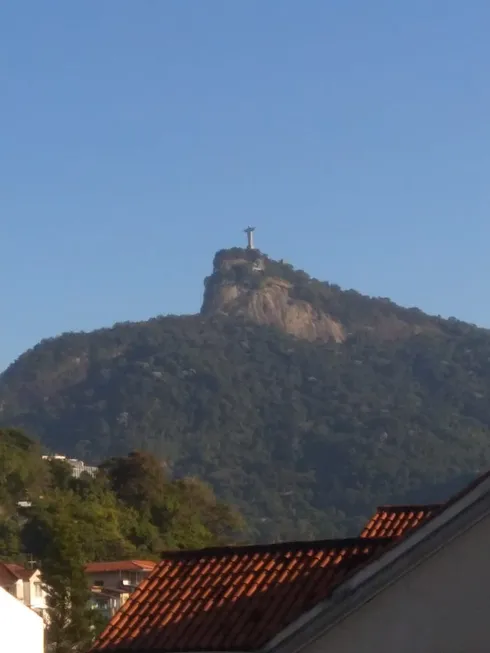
point(303, 404)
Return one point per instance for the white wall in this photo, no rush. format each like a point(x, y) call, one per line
point(21, 629)
point(30, 596)
point(18, 590)
point(441, 606)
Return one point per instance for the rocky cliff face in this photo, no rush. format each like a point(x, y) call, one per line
point(244, 287)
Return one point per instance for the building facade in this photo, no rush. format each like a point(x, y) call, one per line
point(122, 574)
point(108, 601)
point(112, 583)
point(439, 604)
point(22, 629)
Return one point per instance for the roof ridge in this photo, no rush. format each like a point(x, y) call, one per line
point(18, 571)
point(337, 543)
point(410, 506)
point(467, 488)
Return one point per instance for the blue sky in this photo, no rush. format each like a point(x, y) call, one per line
point(139, 137)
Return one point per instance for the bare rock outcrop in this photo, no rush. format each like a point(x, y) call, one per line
point(270, 303)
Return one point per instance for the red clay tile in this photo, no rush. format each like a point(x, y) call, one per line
point(396, 521)
point(10, 573)
point(231, 598)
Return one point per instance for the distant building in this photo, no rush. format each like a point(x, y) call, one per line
point(25, 585)
point(112, 583)
point(120, 574)
point(22, 629)
point(78, 466)
point(108, 601)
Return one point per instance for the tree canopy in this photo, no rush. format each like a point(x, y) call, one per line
point(72, 521)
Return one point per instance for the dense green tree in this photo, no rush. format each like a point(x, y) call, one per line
point(72, 521)
point(22, 478)
point(60, 474)
point(185, 512)
point(57, 541)
point(10, 538)
point(22, 474)
point(137, 479)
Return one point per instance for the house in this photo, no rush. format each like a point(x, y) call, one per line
point(25, 585)
point(108, 601)
point(111, 583)
point(123, 574)
point(22, 628)
point(78, 467)
point(416, 579)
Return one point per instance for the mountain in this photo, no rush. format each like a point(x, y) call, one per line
point(303, 404)
point(245, 283)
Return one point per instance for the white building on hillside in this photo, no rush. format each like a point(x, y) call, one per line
point(78, 467)
point(22, 629)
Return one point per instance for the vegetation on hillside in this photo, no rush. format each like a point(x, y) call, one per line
point(304, 437)
point(131, 509)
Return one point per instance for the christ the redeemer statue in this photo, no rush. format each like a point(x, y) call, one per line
point(250, 237)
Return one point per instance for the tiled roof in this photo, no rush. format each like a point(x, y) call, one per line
point(238, 599)
point(120, 565)
point(231, 599)
point(11, 573)
point(395, 521)
point(6, 577)
point(19, 571)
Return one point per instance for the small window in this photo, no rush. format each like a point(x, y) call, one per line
point(99, 583)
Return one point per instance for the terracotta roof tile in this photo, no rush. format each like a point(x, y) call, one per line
point(395, 521)
point(231, 598)
point(19, 571)
point(121, 565)
point(6, 577)
point(11, 573)
point(239, 598)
